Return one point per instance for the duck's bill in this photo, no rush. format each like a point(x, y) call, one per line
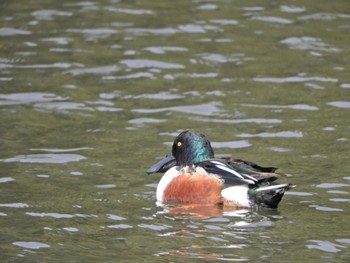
point(163, 165)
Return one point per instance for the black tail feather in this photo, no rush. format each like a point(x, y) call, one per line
point(268, 196)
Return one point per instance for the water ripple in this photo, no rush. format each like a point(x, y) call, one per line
point(207, 109)
point(62, 106)
point(294, 79)
point(7, 31)
point(298, 193)
point(15, 205)
point(207, 7)
point(245, 224)
point(217, 40)
point(131, 76)
point(120, 226)
point(272, 19)
point(148, 63)
point(115, 217)
point(129, 11)
point(292, 9)
point(6, 180)
point(237, 121)
point(340, 104)
point(106, 186)
point(294, 107)
point(345, 241)
point(31, 245)
point(163, 50)
point(284, 134)
point(59, 40)
point(192, 75)
point(96, 70)
point(74, 50)
point(253, 8)
point(332, 185)
point(224, 22)
point(308, 43)
point(324, 16)
point(192, 28)
point(59, 65)
point(155, 31)
point(94, 34)
point(45, 158)
point(155, 227)
point(340, 200)
point(218, 58)
point(49, 14)
point(59, 215)
point(108, 109)
point(62, 150)
point(232, 144)
point(70, 229)
point(345, 85)
point(338, 192)
point(279, 149)
point(141, 122)
point(325, 246)
point(326, 208)
point(164, 95)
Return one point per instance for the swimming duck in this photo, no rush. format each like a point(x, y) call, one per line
point(193, 175)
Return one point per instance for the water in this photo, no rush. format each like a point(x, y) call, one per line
point(93, 93)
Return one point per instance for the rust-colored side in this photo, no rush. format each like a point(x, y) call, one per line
point(194, 188)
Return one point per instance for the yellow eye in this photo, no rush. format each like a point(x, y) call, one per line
point(179, 144)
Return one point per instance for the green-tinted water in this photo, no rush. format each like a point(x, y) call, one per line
point(93, 93)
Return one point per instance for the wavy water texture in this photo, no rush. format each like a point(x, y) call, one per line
point(94, 92)
point(207, 109)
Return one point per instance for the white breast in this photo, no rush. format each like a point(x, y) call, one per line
point(166, 179)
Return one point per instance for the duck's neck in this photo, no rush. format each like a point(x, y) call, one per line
point(200, 151)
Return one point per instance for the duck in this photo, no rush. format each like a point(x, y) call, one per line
point(193, 175)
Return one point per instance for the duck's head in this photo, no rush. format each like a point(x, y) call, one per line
point(189, 147)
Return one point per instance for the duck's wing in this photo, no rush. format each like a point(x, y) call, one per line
point(240, 166)
point(255, 170)
point(248, 166)
point(227, 173)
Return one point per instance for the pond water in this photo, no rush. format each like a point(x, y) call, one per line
point(94, 92)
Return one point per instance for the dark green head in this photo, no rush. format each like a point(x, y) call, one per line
point(191, 147)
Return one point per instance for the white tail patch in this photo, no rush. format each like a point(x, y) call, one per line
point(238, 195)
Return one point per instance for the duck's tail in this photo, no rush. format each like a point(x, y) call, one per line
point(268, 196)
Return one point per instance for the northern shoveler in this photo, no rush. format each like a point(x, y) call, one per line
point(193, 175)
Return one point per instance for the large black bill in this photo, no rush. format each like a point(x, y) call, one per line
point(163, 165)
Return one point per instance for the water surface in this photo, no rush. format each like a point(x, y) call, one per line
point(94, 92)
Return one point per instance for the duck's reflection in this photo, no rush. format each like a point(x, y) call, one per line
point(199, 211)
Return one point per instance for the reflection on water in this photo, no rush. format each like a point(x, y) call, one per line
point(45, 158)
point(295, 79)
point(287, 134)
point(326, 245)
point(93, 91)
point(340, 104)
point(30, 97)
point(31, 245)
point(228, 234)
point(208, 109)
point(308, 43)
